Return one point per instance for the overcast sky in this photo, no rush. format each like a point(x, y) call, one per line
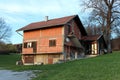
point(18, 13)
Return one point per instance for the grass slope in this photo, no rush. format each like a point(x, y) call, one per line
point(105, 67)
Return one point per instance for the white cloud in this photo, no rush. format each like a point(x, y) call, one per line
point(22, 12)
point(31, 7)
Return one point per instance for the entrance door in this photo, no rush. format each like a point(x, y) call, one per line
point(50, 60)
point(94, 48)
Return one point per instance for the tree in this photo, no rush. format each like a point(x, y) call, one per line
point(5, 30)
point(92, 29)
point(7, 48)
point(106, 14)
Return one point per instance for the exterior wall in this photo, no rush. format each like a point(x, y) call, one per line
point(30, 36)
point(42, 37)
point(39, 59)
point(27, 51)
point(28, 59)
point(45, 58)
point(50, 34)
point(44, 54)
point(74, 28)
point(70, 50)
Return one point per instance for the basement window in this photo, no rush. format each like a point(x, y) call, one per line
point(52, 43)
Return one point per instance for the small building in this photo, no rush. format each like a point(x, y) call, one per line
point(94, 44)
point(115, 44)
point(18, 48)
point(60, 39)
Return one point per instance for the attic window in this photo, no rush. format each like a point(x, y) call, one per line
point(52, 43)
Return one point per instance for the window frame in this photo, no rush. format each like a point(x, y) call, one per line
point(52, 43)
point(29, 44)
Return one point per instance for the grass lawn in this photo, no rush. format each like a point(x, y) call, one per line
point(105, 67)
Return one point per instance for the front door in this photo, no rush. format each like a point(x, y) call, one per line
point(50, 59)
point(94, 48)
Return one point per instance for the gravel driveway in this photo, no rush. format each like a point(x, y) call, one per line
point(10, 75)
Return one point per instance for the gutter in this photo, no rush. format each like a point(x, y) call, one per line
point(19, 33)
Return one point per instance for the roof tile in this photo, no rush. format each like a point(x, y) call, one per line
point(91, 37)
point(49, 23)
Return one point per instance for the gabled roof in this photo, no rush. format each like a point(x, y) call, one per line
point(49, 23)
point(91, 37)
point(54, 23)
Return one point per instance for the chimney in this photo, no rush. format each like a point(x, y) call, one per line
point(46, 18)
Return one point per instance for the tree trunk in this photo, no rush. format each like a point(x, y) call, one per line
point(109, 49)
point(109, 30)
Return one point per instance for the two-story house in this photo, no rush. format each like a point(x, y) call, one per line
point(53, 40)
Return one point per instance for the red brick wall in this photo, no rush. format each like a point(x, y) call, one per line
point(49, 34)
point(27, 51)
point(42, 37)
point(31, 35)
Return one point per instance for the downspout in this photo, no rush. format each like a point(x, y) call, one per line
point(63, 34)
point(22, 47)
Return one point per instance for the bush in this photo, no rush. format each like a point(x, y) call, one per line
point(7, 48)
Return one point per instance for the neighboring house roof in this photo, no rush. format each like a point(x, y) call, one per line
point(54, 23)
point(91, 37)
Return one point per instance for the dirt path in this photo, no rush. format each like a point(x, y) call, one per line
point(10, 75)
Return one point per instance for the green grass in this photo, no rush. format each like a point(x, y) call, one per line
point(7, 61)
point(105, 67)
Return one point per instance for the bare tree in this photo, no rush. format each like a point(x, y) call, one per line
point(105, 13)
point(92, 29)
point(5, 31)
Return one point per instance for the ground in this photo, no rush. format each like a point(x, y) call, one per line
point(104, 67)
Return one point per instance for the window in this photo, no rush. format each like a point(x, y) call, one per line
point(29, 44)
point(25, 45)
point(52, 43)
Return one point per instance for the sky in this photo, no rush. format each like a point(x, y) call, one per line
point(19, 13)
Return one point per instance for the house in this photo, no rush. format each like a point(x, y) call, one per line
point(51, 41)
point(94, 44)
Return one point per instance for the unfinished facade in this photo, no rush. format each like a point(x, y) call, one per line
point(50, 41)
